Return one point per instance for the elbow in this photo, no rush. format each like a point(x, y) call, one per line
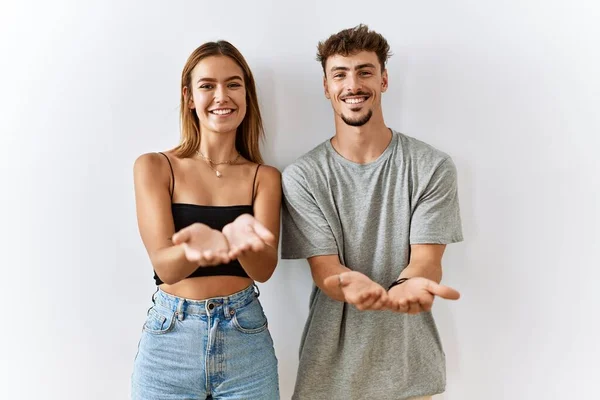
point(265, 274)
point(168, 279)
point(166, 275)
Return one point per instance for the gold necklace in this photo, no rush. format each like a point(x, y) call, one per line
point(210, 162)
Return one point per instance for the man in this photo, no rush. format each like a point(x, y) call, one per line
point(371, 208)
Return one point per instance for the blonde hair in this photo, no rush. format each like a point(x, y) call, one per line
point(250, 131)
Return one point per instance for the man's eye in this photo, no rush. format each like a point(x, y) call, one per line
point(206, 86)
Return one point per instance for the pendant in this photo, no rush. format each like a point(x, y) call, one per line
point(218, 174)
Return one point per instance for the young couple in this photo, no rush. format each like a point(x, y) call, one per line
point(371, 209)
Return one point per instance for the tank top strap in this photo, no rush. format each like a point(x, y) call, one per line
point(254, 182)
point(172, 191)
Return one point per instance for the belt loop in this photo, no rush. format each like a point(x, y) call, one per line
point(226, 307)
point(180, 309)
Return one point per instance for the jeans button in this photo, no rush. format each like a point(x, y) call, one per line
point(231, 312)
point(211, 306)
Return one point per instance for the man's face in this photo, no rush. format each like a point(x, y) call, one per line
point(354, 85)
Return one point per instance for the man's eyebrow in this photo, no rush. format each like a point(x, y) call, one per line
point(339, 68)
point(360, 66)
point(365, 65)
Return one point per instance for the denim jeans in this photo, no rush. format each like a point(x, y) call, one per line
point(219, 348)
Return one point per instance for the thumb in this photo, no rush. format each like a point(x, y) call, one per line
point(443, 291)
point(263, 232)
point(190, 253)
point(182, 236)
point(335, 280)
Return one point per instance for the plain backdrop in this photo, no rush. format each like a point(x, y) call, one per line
point(510, 89)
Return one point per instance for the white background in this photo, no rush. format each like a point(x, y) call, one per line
point(510, 89)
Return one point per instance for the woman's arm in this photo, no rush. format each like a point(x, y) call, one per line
point(155, 219)
point(259, 246)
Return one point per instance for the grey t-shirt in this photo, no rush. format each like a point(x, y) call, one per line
point(369, 215)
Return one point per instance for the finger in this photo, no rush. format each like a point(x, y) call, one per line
point(263, 232)
point(234, 253)
point(426, 301)
point(253, 241)
point(382, 302)
point(403, 305)
point(242, 249)
point(443, 291)
point(426, 306)
point(209, 256)
point(414, 307)
point(365, 296)
point(256, 244)
point(223, 256)
point(380, 299)
point(218, 259)
point(368, 302)
point(390, 304)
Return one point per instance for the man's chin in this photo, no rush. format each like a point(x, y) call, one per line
point(357, 121)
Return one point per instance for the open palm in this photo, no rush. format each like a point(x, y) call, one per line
point(246, 234)
point(203, 245)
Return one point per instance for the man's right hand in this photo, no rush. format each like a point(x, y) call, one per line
point(359, 290)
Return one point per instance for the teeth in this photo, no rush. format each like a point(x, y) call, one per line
point(222, 112)
point(354, 101)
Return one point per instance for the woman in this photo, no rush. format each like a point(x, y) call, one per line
point(208, 214)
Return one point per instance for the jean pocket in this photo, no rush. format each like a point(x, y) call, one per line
point(159, 321)
point(250, 318)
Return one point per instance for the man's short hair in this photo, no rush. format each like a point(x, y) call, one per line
point(351, 41)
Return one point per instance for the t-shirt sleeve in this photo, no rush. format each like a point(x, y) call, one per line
point(436, 217)
point(305, 231)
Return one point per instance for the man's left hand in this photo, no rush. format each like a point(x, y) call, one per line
point(416, 295)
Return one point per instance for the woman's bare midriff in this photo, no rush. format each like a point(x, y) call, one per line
point(201, 288)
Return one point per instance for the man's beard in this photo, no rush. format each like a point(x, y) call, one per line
point(359, 121)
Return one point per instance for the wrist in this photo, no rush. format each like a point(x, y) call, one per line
point(398, 281)
point(340, 287)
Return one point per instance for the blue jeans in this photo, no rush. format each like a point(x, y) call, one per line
point(219, 348)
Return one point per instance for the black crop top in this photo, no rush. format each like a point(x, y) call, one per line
point(214, 216)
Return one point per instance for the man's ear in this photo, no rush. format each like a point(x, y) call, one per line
point(384, 81)
point(325, 89)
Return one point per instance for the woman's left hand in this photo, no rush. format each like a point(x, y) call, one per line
point(246, 234)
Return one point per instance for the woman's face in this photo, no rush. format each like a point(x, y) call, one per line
point(218, 94)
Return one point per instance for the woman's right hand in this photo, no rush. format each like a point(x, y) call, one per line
point(203, 245)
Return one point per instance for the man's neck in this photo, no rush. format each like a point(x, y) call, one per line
point(361, 144)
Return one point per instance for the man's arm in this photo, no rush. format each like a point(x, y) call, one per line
point(342, 284)
point(324, 267)
point(425, 262)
